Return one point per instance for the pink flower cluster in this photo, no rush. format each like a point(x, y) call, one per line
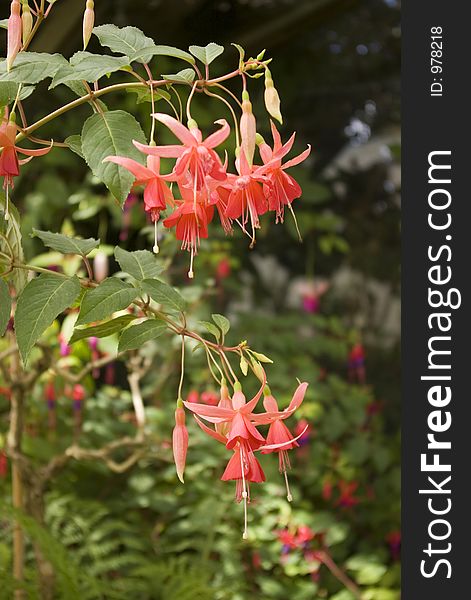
point(207, 187)
point(235, 424)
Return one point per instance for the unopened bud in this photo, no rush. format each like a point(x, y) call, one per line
point(27, 21)
point(14, 33)
point(100, 266)
point(248, 128)
point(88, 22)
point(272, 99)
point(180, 441)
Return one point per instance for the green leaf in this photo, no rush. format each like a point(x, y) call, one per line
point(241, 51)
point(261, 357)
point(42, 300)
point(65, 244)
point(223, 323)
point(103, 329)
point(101, 302)
point(111, 134)
point(124, 40)
point(244, 365)
point(85, 66)
point(164, 294)
point(5, 306)
point(32, 67)
point(4, 23)
point(135, 336)
point(144, 95)
point(367, 568)
point(185, 76)
point(159, 50)
point(141, 264)
point(75, 144)
point(206, 54)
point(11, 230)
point(213, 330)
point(9, 90)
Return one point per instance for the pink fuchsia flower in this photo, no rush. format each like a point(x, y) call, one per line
point(210, 398)
point(279, 437)
point(246, 198)
point(236, 428)
point(191, 220)
point(281, 188)
point(193, 396)
point(196, 159)
point(288, 540)
point(304, 535)
point(15, 30)
point(9, 162)
point(248, 129)
point(157, 194)
point(180, 442)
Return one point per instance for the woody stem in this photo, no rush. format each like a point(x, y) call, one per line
point(337, 572)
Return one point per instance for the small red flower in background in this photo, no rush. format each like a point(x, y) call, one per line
point(193, 396)
point(303, 426)
point(394, 542)
point(223, 270)
point(347, 499)
point(210, 398)
point(356, 364)
point(3, 464)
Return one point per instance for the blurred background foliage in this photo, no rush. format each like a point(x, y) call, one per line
point(142, 534)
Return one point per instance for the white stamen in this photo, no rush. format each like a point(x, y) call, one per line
point(245, 534)
point(7, 204)
point(289, 496)
point(191, 273)
point(156, 248)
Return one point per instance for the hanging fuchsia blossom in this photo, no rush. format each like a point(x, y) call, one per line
point(236, 427)
point(281, 189)
point(9, 161)
point(180, 442)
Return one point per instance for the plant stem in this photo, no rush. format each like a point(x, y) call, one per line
point(337, 572)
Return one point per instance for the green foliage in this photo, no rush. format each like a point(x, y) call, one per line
point(103, 329)
point(85, 66)
point(5, 306)
point(140, 264)
point(163, 294)
point(41, 301)
point(135, 336)
point(184, 76)
point(111, 134)
point(66, 244)
point(109, 297)
point(206, 54)
point(11, 246)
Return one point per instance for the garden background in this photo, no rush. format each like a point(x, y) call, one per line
point(315, 308)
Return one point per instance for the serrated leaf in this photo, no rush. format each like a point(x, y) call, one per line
point(85, 66)
point(32, 67)
point(75, 144)
point(124, 40)
point(103, 329)
point(141, 264)
point(163, 294)
point(111, 134)
point(12, 232)
point(185, 76)
point(65, 244)
point(9, 90)
point(261, 357)
point(244, 365)
point(206, 54)
point(5, 306)
point(213, 330)
point(159, 50)
point(41, 301)
point(144, 95)
point(109, 297)
point(223, 323)
point(136, 335)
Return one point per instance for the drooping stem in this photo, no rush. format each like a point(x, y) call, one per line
point(337, 572)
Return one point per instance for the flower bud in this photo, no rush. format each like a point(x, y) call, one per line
point(180, 441)
point(272, 99)
point(248, 128)
point(88, 22)
point(27, 21)
point(224, 402)
point(14, 33)
point(100, 266)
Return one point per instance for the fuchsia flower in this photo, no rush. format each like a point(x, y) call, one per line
point(347, 499)
point(14, 35)
point(236, 427)
point(281, 189)
point(196, 159)
point(9, 162)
